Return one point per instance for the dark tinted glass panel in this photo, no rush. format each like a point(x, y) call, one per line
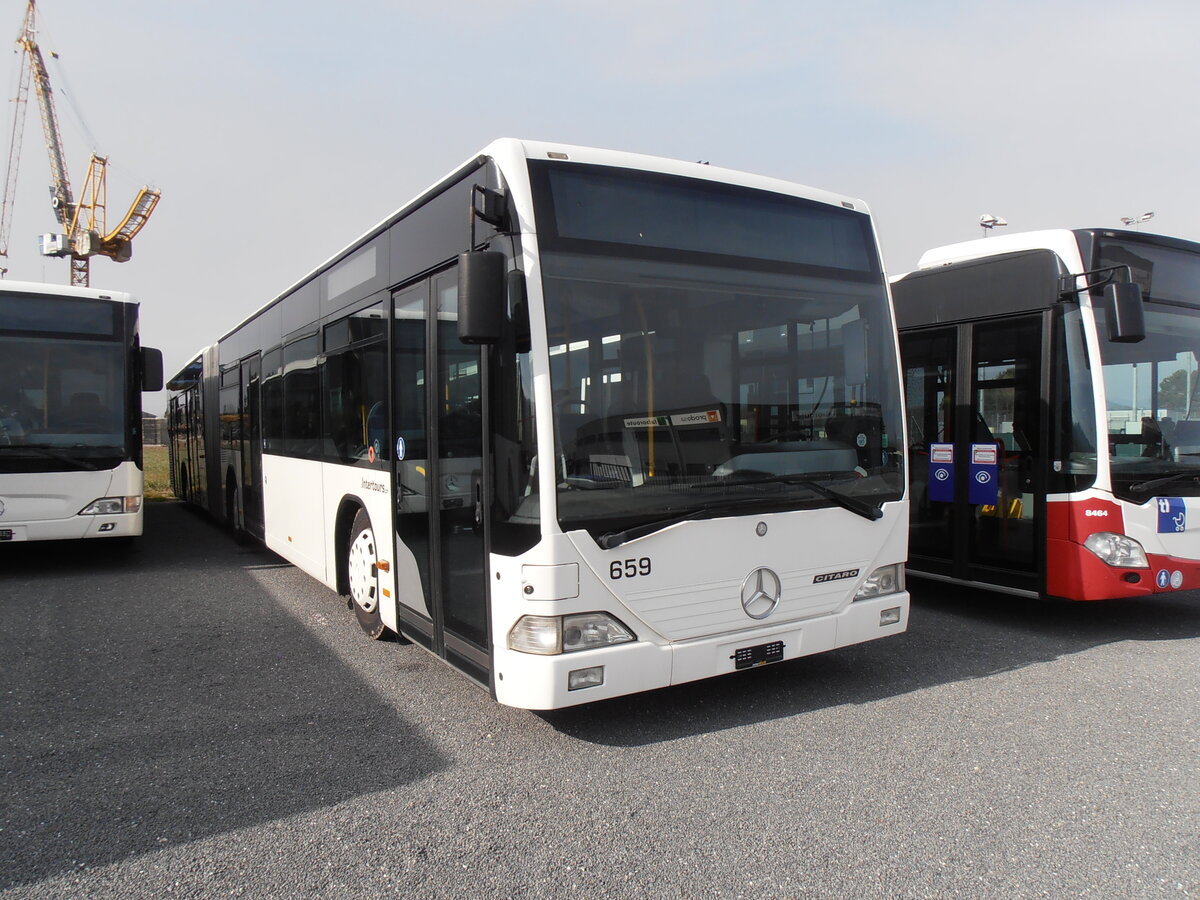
point(670, 375)
point(410, 392)
point(300, 308)
point(355, 404)
point(609, 206)
point(929, 366)
point(1072, 409)
point(58, 392)
point(58, 315)
point(1165, 273)
point(1153, 404)
point(272, 401)
point(337, 335)
point(1006, 414)
point(301, 399)
point(515, 501)
point(460, 461)
point(231, 416)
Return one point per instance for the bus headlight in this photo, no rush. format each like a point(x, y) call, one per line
point(110, 506)
point(551, 635)
point(884, 580)
point(1117, 550)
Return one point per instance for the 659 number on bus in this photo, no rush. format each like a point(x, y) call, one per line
point(629, 568)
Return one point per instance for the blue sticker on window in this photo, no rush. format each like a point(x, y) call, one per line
point(985, 481)
point(1172, 515)
point(941, 473)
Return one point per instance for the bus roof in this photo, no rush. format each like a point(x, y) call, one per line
point(1063, 241)
point(64, 290)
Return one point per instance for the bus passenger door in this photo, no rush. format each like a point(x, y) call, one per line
point(1004, 487)
point(459, 437)
point(440, 511)
point(975, 430)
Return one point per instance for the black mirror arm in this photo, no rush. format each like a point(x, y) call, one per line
point(1103, 277)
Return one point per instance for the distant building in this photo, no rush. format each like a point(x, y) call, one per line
point(154, 429)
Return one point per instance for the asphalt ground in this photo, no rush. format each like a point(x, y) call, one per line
point(192, 718)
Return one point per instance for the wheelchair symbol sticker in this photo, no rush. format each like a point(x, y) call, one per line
point(1163, 580)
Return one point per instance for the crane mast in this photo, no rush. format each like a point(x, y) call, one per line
point(84, 223)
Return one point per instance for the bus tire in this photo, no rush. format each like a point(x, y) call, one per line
point(362, 576)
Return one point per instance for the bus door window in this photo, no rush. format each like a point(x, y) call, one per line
point(929, 378)
point(460, 470)
point(1006, 414)
point(410, 393)
point(251, 447)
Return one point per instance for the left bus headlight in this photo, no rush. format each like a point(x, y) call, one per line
point(884, 580)
point(551, 635)
point(110, 506)
point(1117, 550)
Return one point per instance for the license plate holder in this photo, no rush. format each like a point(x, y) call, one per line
point(758, 655)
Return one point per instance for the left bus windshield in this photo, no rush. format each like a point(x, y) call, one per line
point(1153, 406)
point(61, 395)
point(712, 349)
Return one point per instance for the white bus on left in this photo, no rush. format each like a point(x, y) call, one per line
point(71, 413)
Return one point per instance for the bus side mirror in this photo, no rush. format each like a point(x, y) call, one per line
point(152, 369)
point(1124, 312)
point(480, 296)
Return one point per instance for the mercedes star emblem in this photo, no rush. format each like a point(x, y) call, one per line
point(760, 593)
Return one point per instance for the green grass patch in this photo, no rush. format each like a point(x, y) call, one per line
point(158, 473)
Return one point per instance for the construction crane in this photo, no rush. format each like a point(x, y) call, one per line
point(84, 221)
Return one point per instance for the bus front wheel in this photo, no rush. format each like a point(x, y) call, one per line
point(362, 576)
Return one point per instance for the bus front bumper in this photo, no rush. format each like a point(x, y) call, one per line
point(74, 528)
point(530, 681)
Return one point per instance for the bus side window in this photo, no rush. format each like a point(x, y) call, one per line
point(272, 401)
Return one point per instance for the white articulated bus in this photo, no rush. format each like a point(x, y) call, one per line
point(1054, 417)
point(71, 413)
point(581, 423)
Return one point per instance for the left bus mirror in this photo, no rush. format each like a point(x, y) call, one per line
point(152, 369)
point(1124, 312)
point(480, 296)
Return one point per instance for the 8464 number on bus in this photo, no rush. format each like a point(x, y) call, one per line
point(629, 568)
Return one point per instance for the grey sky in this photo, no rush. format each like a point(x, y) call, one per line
point(279, 132)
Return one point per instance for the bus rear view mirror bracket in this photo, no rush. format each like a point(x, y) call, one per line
point(1124, 310)
point(152, 369)
point(481, 289)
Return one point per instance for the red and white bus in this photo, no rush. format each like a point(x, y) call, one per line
point(1053, 416)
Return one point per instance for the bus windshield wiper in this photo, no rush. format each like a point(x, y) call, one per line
point(846, 501)
point(615, 538)
point(1154, 484)
point(56, 454)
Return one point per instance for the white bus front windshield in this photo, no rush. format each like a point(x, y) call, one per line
point(1153, 406)
point(692, 377)
point(62, 402)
